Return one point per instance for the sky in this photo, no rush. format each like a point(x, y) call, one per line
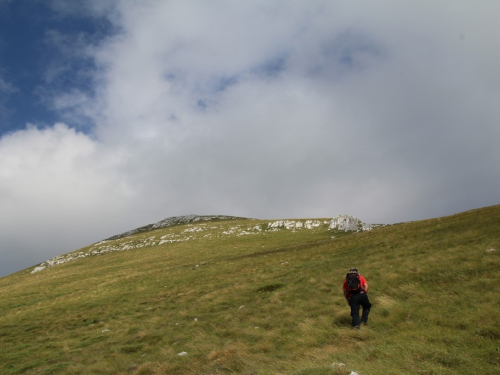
point(118, 114)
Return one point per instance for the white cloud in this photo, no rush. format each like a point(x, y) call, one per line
point(385, 110)
point(263, 99)
point(58, 190)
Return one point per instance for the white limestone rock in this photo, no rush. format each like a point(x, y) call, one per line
point(348, 224)
point(341, 222)
point(38, 269)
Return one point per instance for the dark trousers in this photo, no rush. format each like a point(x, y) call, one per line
point(356, 301)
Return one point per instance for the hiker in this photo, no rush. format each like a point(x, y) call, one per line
point(355, 291)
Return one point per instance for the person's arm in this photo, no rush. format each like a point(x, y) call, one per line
point(364, 284)
point(346, 295)
point(365, 287)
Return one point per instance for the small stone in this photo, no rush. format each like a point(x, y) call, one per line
point(340, 364)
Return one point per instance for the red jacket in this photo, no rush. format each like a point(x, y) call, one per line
point(362, 282)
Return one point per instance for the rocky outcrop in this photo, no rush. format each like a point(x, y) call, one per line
point(174, 220)
point(296, 224)
point(198, 227)
point(348, 223)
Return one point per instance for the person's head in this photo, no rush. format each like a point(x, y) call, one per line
point(353, 270)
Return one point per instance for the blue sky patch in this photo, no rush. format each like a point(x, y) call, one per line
point(40, 56)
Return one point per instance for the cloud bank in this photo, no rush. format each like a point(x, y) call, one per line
point(265, 109)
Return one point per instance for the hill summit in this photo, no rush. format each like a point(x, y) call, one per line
point(175, 220)
point(344, 223)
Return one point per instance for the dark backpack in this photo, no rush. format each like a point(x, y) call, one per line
point(353, 283)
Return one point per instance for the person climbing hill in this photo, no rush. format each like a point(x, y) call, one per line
point(355, 291)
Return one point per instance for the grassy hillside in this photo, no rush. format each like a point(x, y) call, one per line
point(263, 302)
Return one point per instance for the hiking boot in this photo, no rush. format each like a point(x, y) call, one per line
point(356, 327)
point(364, 323)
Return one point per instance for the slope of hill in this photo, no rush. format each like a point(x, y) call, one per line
point(192, 232)
point(236, 299)
point(175, 220)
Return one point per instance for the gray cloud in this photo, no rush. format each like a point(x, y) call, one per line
point(265, 109)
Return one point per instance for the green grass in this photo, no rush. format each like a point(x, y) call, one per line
point(269, 303)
